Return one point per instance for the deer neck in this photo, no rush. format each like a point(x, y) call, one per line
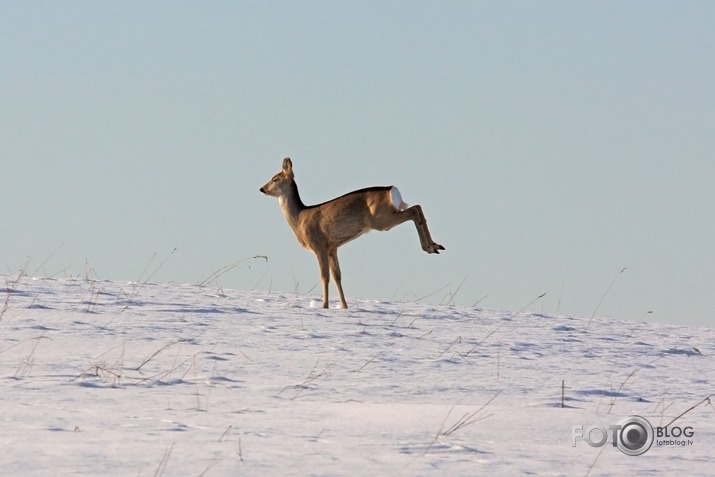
point(291, 205)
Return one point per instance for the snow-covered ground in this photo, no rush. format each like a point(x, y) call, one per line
point(108, 378)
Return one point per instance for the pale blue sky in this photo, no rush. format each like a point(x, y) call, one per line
point(551, 144)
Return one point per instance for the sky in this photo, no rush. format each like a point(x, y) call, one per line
point(550, 144)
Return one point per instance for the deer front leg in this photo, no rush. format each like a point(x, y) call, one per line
point(323, 265)
point(335, 269)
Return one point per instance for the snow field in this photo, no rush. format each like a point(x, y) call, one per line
point(102, 377)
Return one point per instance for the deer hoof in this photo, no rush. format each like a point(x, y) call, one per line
point(434, 248)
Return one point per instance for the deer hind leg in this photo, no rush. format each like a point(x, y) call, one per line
point(323, 265)
point(428, 245)
point(416, 215)
point(337, 276)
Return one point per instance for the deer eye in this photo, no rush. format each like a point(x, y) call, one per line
point(276, 179)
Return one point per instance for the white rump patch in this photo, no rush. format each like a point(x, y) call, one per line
point(396, 199)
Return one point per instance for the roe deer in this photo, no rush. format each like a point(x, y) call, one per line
point(324, 227)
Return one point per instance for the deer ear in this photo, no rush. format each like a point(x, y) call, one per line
point(287, 165)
